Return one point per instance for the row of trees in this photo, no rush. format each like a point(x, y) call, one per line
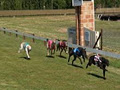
point(50, 4)
point(107, 3)
point(34, 4)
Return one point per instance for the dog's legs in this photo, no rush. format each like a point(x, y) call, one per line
point(27, 52)
point(61, 51)
point(104, 66)
point(64, 49)
point(89, 64)
point(80, 60)
point(21, 47)
point(57, 47)
point(48, 52)
point(83, 58)
point(54, 51)
point(104, 73)
point(48, 49)
point(74, 59)
point(70, 54)
point(51, 51)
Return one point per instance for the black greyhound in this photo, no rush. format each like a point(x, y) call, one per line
point(62, 45)
point(102, 64)
point(80, 52)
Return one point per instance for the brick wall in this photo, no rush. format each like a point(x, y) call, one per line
point(86, 18)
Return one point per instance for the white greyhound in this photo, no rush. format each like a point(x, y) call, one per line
point(26, 47)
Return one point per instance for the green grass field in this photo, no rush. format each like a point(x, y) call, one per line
point(45, 73)
point(44, 26)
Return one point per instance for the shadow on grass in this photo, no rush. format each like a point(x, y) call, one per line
point(76, 66)
point(25, 58)
point(62, 57)
point(50, 56)
point(92, 74)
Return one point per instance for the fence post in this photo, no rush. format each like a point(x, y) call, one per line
point(101, 40)
point(23, 37)
point(16, 34)
point(4, 32)
point(10, 33)
point(33, 38)
point(97, 40)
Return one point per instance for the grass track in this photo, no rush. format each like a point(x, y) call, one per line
point(43, 73)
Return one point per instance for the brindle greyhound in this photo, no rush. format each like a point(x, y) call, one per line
point(62, 45)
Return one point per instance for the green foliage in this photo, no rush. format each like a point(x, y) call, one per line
point(59, 4)
point(50, 4)
point(34, 4)
point(107, 3)
point(68, 4)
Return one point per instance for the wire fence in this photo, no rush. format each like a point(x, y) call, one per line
point(111, 40)
point(110, 54)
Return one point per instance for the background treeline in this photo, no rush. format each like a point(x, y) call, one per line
point(50, 4)
point(107, 3)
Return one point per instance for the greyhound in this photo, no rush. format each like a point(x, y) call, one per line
point(26, 47)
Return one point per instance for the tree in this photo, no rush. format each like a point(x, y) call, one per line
point(18, 4)
point(50, 4)
point(1, 4)
point(116, 3)
point(6, 5)
point(68, 4)
point(97, 3)
point(59, 4)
